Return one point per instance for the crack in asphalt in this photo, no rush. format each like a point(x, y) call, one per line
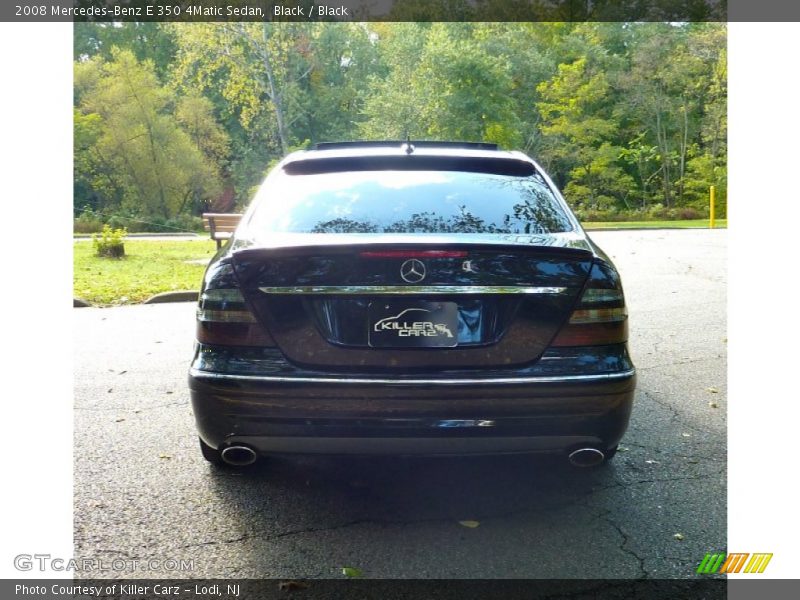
point(678, 363)
point(620, 484)
point(666, 450)
point(266, 537)
point(606, 512)
point(624, 545)
point(673, 455)
point(562, 505)
point(676, 414)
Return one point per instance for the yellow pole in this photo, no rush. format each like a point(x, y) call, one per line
point(711, 212)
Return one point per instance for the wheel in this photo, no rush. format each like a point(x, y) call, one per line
point(611, 452)
point(211, 455)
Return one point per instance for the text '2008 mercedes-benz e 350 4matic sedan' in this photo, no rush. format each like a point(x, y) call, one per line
point(410, 298)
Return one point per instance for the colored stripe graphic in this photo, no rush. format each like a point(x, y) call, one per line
point(758, 563)
point(710, 563)
point(732, 563)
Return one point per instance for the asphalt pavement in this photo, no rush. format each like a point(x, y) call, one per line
point(144, 497)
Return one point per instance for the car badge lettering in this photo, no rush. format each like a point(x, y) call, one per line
point(468, 266)
point(404, 327)
point(412, 271)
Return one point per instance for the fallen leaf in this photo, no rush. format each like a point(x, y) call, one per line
point(713, 405)
point(713, 390)
point(470, 524)
point(351, 572)
point(119, 420)
point(622, 449)
point(678, 536)
point(164, 456)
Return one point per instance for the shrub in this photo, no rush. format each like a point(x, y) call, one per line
point(602, 215)
point(110, 243)
point(687, 212)
point(87, 222)
point(657, 211)
point(187, 223)
point(117, 222)
point(91, 222)
point(158, 224)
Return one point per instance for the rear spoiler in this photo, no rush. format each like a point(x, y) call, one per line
point(401, 143)
point(500, 165)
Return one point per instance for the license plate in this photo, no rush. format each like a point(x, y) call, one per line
point(413, 324)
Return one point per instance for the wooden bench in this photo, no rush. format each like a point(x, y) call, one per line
point(221, 225)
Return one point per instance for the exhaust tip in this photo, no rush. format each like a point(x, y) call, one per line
point(239, 456)
point(586, 457)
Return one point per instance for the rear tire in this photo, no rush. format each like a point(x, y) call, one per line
point(210, 454)
point(611, 453)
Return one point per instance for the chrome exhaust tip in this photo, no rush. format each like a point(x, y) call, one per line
point(586, 457)
point(239, 456)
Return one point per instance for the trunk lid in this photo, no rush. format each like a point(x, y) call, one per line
point(404, 303)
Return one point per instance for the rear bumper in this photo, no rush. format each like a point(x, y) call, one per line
point(340, 415)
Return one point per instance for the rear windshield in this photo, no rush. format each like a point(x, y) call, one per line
point(408, 202)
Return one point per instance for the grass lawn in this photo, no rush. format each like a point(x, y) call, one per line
point(149, 267)
point(687, 224)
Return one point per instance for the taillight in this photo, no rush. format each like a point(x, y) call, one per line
point(223, 317)
point(600, 317)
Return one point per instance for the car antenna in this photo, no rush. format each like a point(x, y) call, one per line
point(409, 146)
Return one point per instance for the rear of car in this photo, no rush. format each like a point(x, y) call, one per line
point(394, 298)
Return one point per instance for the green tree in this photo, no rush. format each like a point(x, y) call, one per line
point(158, 168)
point(465, 91)
point(341, 58)
point(252, 72)
point(625, 116)
point(152, 42)
point(576, 120)
point(392, 107)
point(442, 84)
point(97, 183)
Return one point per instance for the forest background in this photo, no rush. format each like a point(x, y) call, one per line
point(176, 119)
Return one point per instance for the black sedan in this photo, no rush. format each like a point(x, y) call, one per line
point(410, 298)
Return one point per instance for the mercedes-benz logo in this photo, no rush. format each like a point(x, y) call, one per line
point(412, 271)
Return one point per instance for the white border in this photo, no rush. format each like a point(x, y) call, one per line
point(764, 216)
point(35, 303)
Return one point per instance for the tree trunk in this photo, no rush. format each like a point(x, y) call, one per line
point(275, 95)
point(151, 143)
point(684, 149)
point(661, 136)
